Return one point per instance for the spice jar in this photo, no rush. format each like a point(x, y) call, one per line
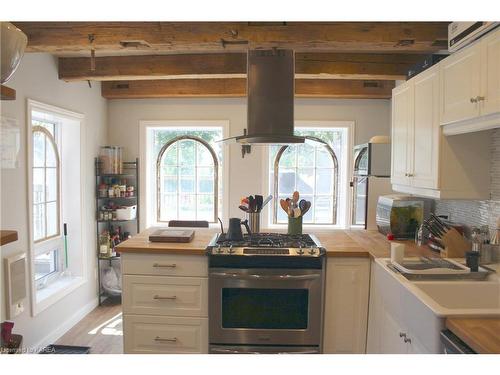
point(103, 191)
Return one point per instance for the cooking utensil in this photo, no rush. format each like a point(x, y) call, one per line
point(302, 204)
point(251, 203)
point(295, 197)
point(259, 199)
point(267, 200)
point(243, 208)
point(284, 205)
point(297, 212)
point(307, 206)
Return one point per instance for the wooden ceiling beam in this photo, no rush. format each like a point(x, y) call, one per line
point(233, 65)
point(236, 87)
point(65, 38)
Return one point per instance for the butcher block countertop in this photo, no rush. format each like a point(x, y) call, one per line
point(480, 334)
point(338, 243)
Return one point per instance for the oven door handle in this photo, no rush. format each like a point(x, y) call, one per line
point(235, 351)
point(228, 275)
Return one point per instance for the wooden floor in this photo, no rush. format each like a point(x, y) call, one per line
point(101, 330)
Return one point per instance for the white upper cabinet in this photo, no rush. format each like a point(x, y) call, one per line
point(426, 131)
point(402, 122)
point(490, 82)
point(470, 87)
point(460, 85)
point(426, 163)
point(416, 132)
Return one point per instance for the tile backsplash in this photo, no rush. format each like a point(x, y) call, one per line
point(477, 213)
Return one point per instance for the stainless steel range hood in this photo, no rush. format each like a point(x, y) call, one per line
point(270, 92)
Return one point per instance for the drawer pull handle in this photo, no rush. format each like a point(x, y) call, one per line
point(159, 339)
point(167, 297)
point(401, 334)
point(158, 265)
point(407, 340)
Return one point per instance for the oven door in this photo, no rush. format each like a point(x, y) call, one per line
point(265, 306)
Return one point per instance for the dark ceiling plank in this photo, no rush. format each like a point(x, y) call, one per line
point(236, 87)
point(233, 65)
point(185, 37)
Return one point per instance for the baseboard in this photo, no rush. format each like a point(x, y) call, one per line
point(67, 325)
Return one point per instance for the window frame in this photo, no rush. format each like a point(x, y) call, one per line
point(147, 195)
point(57, 286)
point(344, 176)
point(55, 147)
point(335, 188)
point(215, 175)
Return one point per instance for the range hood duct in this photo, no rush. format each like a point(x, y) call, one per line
point(270, 98)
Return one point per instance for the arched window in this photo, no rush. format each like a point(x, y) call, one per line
point(313, 171)
point(46, 195)
point(187, 172)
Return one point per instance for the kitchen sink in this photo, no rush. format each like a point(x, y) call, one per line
point(463, 295)
point(459, 297)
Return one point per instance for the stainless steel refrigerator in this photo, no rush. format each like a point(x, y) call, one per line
point(371, 178)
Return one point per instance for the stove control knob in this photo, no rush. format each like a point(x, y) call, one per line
point(231, 249)
point(300, 251)
point(219, 250)
point(312, 251)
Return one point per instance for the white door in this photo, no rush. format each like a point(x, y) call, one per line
point(402, 122)
point(490, 79)
point(346, 305)
point(426, 131)
point(460, 85)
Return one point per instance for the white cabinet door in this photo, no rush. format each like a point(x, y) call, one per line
point(392, 339)
point(402, 142)
point(346, 305)
point(426, 130)
point(460, 85)
point(490, 64)
point(416, 347)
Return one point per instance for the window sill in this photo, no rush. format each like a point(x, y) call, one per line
point(55, 291)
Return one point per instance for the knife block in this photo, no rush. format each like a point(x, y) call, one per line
point(455, 245)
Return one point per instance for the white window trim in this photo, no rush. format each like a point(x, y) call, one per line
point(146, 173)
point(64, 286)
point(345, 175)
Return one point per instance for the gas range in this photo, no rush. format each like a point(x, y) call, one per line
point(266, 244)
point(265, 294)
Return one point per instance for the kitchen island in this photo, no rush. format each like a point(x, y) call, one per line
point(165, 290)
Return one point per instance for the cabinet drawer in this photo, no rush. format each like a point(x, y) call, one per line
point(154, 334)
point(165, 295)
point(164, 264)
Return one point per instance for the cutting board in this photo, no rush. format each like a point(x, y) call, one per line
point(172, 235)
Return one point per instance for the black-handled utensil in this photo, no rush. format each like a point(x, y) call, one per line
point(251, 203)
point(259, 200)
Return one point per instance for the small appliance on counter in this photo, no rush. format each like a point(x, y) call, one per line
point(371, 178)
point(402, 215)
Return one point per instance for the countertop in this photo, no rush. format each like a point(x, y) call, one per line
point(7, 236)
point(338, 243)
point(481, 334)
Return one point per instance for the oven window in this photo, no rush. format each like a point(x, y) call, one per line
point(265, 308)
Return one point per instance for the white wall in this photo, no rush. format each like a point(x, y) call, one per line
point(37, 78)
point(372, 117)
